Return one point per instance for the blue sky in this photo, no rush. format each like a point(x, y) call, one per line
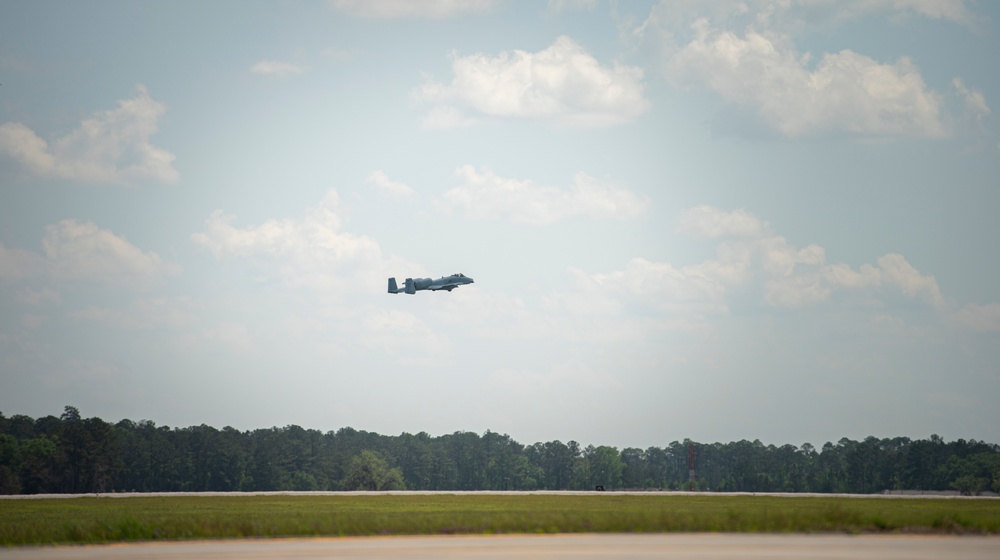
point(709, 220)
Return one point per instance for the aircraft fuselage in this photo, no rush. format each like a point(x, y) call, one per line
point(413, 285)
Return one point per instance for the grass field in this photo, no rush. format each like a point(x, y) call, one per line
point(101, 520)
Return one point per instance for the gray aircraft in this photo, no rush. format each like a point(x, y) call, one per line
point(412, 285)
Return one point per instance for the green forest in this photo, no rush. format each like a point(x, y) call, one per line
point(71, 454)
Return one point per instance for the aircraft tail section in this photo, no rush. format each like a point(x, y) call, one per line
point(392, 286)
point(411, 287)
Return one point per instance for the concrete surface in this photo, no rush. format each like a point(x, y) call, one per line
point(588, 546)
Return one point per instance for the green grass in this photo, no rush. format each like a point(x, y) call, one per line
point(101, 520)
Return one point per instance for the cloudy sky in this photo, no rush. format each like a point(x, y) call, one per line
point(708, 220)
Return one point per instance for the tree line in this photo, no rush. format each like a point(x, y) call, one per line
point(71, 454)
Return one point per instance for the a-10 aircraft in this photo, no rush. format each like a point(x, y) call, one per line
point(412, 285)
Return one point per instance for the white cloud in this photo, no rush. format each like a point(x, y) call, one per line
point(384, 185)
point(308, 252)
point(846, 91)
point(338, 269)
point(802, 277)
point(805, 15)
point(745, 51)
point(83, 251)
point(712, 222)
point(953, 10)
point(443, 117)
point(110, 147)
point(793, 277)
point(757, 261)
point(429, 9)
point(562, 6)
point(486, 196)
point(16, 264)
point(276, 68)
point(562, 83)
point(896, 272)
point(692, 289)
point(979, 317)
point(975, 101)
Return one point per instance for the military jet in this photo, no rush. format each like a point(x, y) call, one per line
point(412, 285)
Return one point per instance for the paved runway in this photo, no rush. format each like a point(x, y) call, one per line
point(590, 546)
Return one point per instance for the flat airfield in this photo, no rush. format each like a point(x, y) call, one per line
point(910, 496)
point(864, 540)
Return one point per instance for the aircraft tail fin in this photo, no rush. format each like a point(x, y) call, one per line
point(392, 286)
point(411, 287)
